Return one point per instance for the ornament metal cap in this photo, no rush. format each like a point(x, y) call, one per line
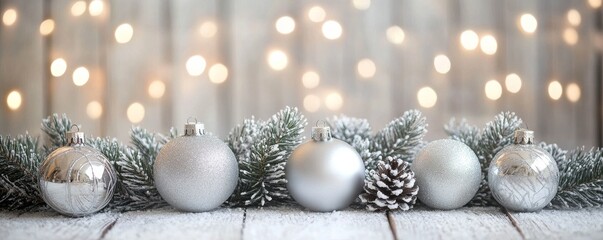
point(524, 136)
point(194, 128)
point(321, 133)
point(75, 137)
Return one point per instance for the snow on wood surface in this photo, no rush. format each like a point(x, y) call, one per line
point(562, 224)
point(464, 223)
point(168, 223)
point(50, 225)
point(297, 223)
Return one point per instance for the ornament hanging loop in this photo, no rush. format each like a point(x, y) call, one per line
point(193, 128)
point(75, 137)
point(321, 133)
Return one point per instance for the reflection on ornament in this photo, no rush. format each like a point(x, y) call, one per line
point(523, 177)
point(324, 174)
point(77, 180)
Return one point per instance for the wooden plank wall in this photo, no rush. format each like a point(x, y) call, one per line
point(167, 33)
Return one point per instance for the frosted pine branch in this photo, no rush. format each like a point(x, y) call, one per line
point(580, 180)
point(19, 161)
point(463, 132)
point(402, 137)
point(262, 175)
point(347, 129)
point(55, 127)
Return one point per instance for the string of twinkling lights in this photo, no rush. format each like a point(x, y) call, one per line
point(278, 59)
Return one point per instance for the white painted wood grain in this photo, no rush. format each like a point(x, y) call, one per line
point(168, 223)
point(464, 223)
point(50, 225)
point(297, 223)
point(562, 224)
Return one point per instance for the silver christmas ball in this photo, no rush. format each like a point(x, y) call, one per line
point(523, 177)
point(324, 174)
point(77, 180)
point(195, 172)
point(448, 173)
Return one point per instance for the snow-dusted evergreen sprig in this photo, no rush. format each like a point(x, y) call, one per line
point(485, 143)
point(262, 175)
point(463, 132)
point(347, 129)
point(241, 139)
point(580, 180)
point(55, 127)
point(391, 187)
point(19, 161)
point(402, 137)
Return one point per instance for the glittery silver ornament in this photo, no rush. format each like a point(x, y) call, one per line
point(77, 180)
point(523, 177)
point(324, 174)
point(195, 172)
point(448, 173)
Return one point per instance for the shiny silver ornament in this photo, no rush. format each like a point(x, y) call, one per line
point(324, 174)
point(77, 180)
point(195, 172)
point(523, 177)
point(448, 173)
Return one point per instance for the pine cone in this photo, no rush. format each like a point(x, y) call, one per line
point(391, 187)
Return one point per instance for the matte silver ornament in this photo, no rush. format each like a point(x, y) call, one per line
point(523, 177)
point(448, 173)
point(195, 172)
point(77, 180)
point(324, 174)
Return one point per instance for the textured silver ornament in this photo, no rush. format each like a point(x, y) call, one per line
point(195, 172)
point(324, 174)
point(448, 173)
point(523, 177)
point(77, 180)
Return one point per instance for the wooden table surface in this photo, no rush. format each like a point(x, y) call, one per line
point(296, 223)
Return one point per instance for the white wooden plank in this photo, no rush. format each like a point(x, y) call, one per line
point(50, 225)
point(464, 223)
point(297, 223)
point(561, 224)
point(168, 223)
